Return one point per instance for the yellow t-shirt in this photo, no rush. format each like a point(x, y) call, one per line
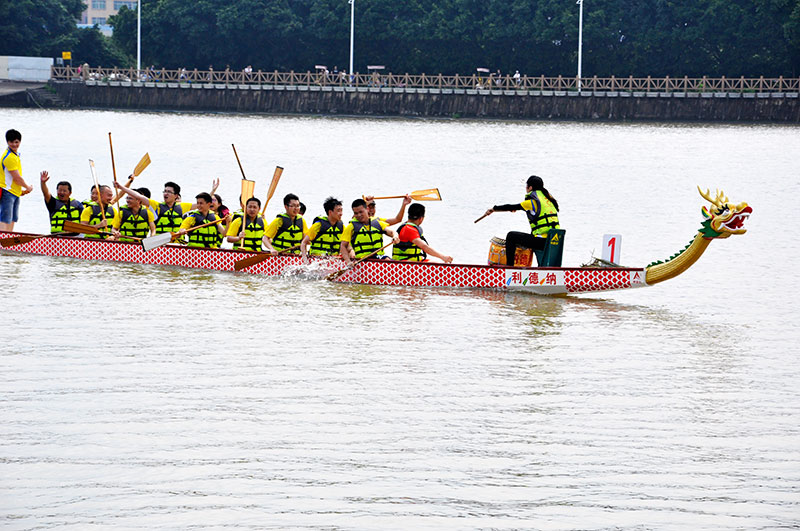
point(347, 233)
point(527, 205)
point(118, 217)
point(86, 215)
point(10, 162)
point(276, 223)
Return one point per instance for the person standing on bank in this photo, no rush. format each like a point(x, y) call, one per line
point(62, 207)
point(12, 185)
point(542, 211)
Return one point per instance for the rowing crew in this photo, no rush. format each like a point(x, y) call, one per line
point(205, 224)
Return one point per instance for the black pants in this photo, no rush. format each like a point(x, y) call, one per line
point(522, 239)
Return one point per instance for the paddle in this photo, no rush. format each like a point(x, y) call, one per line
point(151, 242)
point(113, 166)
point(71, 226)
point(143, 163)
point(480, 218)
point(431, 194)
point(258, 258)
point(248, 187)
point(337, 274)
point(97, 187)
point(19, 240)
point(274, 184)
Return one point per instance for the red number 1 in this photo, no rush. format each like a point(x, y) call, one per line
point(612, 243)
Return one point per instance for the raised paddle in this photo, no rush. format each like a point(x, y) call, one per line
point(337, 274)
point(258, 258)
point(151, 242)
point(248, 187)
point(113, 166)
point(97, 187)
point(143, 163)
point(431, 194)
point(274, 184)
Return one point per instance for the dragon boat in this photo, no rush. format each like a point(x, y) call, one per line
point(722, 219)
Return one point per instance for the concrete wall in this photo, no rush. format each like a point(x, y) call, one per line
point(16, 68)
point(750, 107)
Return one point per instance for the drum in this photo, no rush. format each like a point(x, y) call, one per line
point(497, 254)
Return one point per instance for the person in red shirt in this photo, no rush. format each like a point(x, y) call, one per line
point(413, 246)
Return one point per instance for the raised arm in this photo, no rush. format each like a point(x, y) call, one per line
point(399, 217)
point(43, 178)
point(133, 193)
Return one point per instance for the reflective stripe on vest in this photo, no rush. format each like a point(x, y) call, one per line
point(546, 216)
point(328, 238)
point(366, 238)
point(253, 234)
point(65, 210)
point(169, 218)
point(207, 236)
point(407, 250)
point(133, 225)
point(289, 234)
point(97, 217)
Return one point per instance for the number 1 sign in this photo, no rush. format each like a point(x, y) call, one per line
point(612, 248)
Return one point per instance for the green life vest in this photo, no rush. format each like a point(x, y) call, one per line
point(133, 225)
point(546, 216)
point(69, 210)
point(97, 217)
point(169, 218)
point(253, 233)
point(328, 238)
point(289, 234)
point(207, 236)
point(367, 237)
point(407, 250)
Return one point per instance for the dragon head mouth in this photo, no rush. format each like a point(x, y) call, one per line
point(723, 218)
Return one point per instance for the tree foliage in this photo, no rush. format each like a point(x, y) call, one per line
point(537, 37)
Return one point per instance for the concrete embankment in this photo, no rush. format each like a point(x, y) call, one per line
point(526, 105)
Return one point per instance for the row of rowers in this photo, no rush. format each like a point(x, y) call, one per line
point(287, 233)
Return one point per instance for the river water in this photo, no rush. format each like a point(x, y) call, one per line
point(139, 397)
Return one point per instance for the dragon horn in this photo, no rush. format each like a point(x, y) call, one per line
point(707, 196)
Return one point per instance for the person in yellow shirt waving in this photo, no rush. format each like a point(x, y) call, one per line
point(363, 235)
point(288, 228)
point(12, 185)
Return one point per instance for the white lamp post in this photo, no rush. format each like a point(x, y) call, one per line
point(138, 38)
point(352, 28)
point(580, 42)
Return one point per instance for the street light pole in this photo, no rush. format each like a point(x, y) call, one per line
point(352, 28)
point(580, 42)
point(138, 38)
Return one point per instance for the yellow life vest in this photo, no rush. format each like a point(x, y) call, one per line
point(328, 238)
point(546, 216)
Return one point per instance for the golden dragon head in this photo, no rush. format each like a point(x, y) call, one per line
point(723, 218)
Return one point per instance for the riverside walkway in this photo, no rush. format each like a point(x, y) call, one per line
point(525, 97)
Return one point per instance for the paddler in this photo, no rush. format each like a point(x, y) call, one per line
point(92, 198)
point(170, 212)
point(542, 211)
point(93, 213)
point(207, 236)
point(372, 210)
point(324, 235)
point(135, 220)
point(288, 228)
point(413, 246)
point(253, 234)
point(363, 235)
point(62, 207)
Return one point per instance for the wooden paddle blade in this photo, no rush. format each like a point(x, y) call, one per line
point(250, 260)
point(71, 226)
point(17, 240)
point(145, 162)
point(432, 194)
point(248, 187)
point(158, 240)
point(272, 186)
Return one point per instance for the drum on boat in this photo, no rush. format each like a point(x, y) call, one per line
point(497, 254)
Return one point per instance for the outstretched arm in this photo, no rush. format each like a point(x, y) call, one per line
point(399, 217)
point(431, 251)
point(133, 193)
